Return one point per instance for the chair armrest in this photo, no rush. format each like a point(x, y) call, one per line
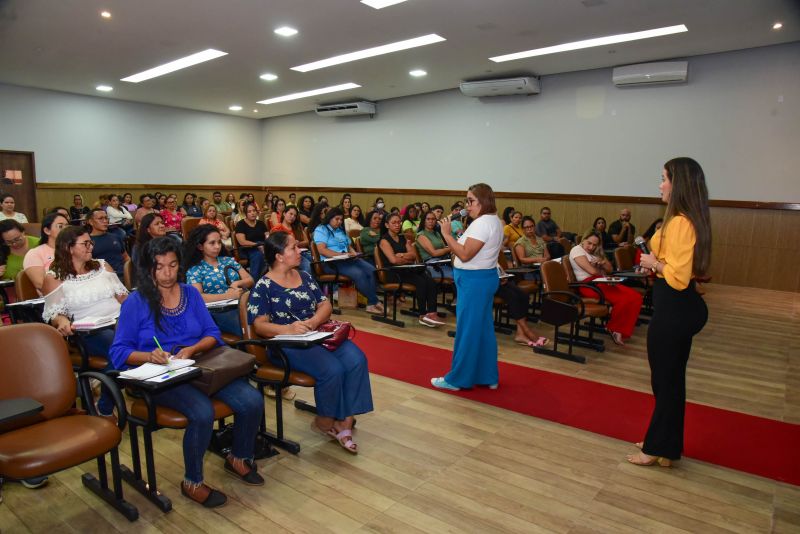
point(276, 346)
point(108, 383)
point(573, 299)
point(591, 287)
point(11, 409)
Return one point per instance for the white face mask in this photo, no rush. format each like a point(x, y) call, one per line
point(379, 205)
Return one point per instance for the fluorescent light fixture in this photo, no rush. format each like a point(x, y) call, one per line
point(104, 88)
point(255, 111)
point(306, 94)
point(589, 43)
point(777, 26)
point(178, 64)
point(268, 76)
point(235, 108)
point(417, 73)
point(380, 4)
point(286, 31)
point(371, 52)
point(105, 14)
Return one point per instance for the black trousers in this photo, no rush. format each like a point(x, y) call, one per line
point(677, 317)
point(426, 288)
point(516, 300)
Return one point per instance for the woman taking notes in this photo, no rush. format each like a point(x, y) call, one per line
point(475, 273)
point(681, 251)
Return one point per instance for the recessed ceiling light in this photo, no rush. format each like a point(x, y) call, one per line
point(268, 76)
point(286, 31)
point(105, 14)
point(178, 64)
point(777, 26)
point(380, 4)
point(417, 73)
point(235, 108)
point(255, 111)
point(588, 43)
point(104, 88)
point(371, 52)
point(313, 92)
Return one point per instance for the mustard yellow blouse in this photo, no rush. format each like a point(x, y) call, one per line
point(673, 245)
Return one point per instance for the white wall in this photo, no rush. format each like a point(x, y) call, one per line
point(100, 140)
point(582, 135)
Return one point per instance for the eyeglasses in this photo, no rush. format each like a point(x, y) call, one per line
point(87, 244)
point(16, 241)
point(470, 201)
point(528, 227)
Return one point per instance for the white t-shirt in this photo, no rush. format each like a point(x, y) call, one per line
point(488, 229)
point(19, 217)
point(576, 252)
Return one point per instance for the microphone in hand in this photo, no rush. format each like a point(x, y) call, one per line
point(641, 244)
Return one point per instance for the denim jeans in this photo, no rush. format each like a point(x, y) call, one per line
point(256, 259)
point(247, 405)
point(227, 321)
point(361, 272)
point(97, 344)
point(305, 262)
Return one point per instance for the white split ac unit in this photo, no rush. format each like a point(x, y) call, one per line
point(504, 87)
point(349, 108)
point(651, 73)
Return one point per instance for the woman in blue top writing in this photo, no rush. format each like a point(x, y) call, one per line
point(216, 277)
point(331, 240)
point(173, 313)
point(288, 301)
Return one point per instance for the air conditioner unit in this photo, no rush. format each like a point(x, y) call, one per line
point(349, 108)
point(504, 87)
point(651, 73)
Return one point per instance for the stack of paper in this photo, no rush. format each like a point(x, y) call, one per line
point(336, 258)
point(150, 370)
point(222, 303)
point(308, 336)
point(91, 322)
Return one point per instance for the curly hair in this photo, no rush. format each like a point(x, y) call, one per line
point(62, 265)
point(192, 248)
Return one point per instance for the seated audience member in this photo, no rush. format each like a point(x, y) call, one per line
point(210, 216)
point(622, 231)
point(189, 208)
point(13, 248)
point(102, 202)
point(518, 303)
point(148, 203)
point(323, 198)
point(288, 301)
point(625, 302)
point(119, 217)
point(395, 209)
point(599, 228)
point(331, 240)
point(230, 201)
point(507, 214)
point(203, 203)
point(61, 210)
point(411, 223)
point(78, 212)
point(161, 201)
point(152, 226)
point(238, 212)
point(127, 202)
point(304, 209)
point(292, 199)
point(380, 206)
point(8, 205)
point(250, 234)
point(38, 259)
point(355, 220)
point(172, 217)
point(547, 228)
point(431, 246)
point(648, 235)
point(278, 207)
point(163, 309)
point(269, 206)
point(456, 224)
point(78, 286)
point(291, 225)
point(346, 203)
point(438, 210)
point(528, 248)
point(371, 234)
point(395, 250)
point(107, 246)
point(216, 200)
point(215, 277)
point(319, 213)
point(424, 208)
point(512, 231)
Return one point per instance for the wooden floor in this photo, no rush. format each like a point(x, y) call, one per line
point(432, 462)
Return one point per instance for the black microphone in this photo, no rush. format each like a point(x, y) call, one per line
point(641, 244)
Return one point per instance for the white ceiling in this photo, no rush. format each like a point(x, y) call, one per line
point(66, 46)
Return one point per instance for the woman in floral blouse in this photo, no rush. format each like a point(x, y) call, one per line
point(288, 301)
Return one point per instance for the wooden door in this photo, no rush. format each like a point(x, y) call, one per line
point(18, 177)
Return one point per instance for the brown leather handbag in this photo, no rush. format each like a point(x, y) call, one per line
point(221, 366)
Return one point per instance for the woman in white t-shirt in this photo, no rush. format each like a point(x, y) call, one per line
point(475, 273)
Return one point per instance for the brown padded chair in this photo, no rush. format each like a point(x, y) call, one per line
point(268, 373)
point(127, 275)
point(323, 278)
point(445, 284)
point(58, 437)
point(188, 224)
point(32, 229)
point(561, 305)
point(391, 283)
point(624, 258)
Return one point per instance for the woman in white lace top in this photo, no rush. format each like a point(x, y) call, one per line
point(78, 287)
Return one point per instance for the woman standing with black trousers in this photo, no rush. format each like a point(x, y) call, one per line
point(681, 251)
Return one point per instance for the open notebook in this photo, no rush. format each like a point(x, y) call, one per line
point(147, 371)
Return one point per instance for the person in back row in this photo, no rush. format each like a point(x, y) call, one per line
point(8, 205)
point(292, 225)
point(37, 260)
point(622, 230)
point(14, 245)
point(250, 234)
point(371, 234)
point(547, 228)
point(107, 246)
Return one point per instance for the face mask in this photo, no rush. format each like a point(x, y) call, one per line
point(379, 205)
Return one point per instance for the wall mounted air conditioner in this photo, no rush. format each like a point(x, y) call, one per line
point(349, 108)
point(503, 87)
point(651, 73)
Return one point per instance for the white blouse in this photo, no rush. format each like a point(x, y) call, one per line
point(351, 224)
point(91, 294)
point(488, 229)
point(118, 216)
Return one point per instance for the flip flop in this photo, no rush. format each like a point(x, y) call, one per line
point(345, 439)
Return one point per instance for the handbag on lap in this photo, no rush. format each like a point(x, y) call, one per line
point(341, 332)
point(220, 366)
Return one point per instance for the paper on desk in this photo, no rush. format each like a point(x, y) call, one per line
point(149, 370)
point(91, 322)
point(336, 258)
point(163, 377)
point(308, 336)
point(222, 303)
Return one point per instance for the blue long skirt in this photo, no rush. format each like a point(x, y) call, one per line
point(475, 349)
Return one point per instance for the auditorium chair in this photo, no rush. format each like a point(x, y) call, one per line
point(58, 436)
point(624, 258)
point(352, 234)
point(324, 279)
point(32, 229)
point(128, 275)
point(187, 225)
point(445, 284)
point(561, 305)
point(390, 283)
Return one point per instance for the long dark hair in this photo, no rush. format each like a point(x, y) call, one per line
point(62, 265)
point(146, 272)
point(296, 227)
point(47, 222)
point(302, 201)
point(316, 215)
point(192, 255)
point(406, 216)
point(360, 218)
point(651, 230)
point(143, 236)
point(274, 245)
point(335, 211)
point(5, 226)
point(689, 197)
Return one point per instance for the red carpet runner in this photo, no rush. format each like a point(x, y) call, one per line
point(747, 443)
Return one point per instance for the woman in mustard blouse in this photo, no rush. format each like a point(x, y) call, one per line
point(681, 251)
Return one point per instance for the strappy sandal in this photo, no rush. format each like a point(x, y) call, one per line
point(345, 439)
point(331, 432)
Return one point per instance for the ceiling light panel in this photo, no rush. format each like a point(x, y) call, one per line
point(285, 31)
point(589, 43)
point(417, 73)
point(380, 4)
point(268, 76)
point(104, 88)
point(313, 92)
point(371, 52)
point(178, 64)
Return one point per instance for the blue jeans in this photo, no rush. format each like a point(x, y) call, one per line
point(247, 405)
point(305, 262)
point(227, 321)
point(441, 271)
point(361, 272)
point(256, 259)
point(97, 344)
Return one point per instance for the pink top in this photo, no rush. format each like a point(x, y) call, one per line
point(172, 220)
point(41, 256)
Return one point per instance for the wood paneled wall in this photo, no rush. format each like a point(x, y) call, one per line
point(751, 247)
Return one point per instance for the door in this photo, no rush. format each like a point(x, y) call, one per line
point(18, 178)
